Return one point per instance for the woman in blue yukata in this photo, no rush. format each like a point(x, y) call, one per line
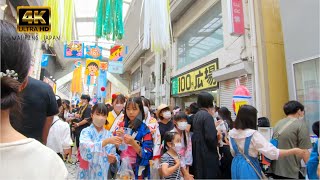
point(97, 147)
point(140, 143)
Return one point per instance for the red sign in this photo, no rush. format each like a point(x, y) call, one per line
point(237, 17)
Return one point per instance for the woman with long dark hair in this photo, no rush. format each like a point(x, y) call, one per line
point(139, 141)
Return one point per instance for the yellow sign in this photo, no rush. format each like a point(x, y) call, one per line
point(238, 104)
point(195, 80)
point(33, 19)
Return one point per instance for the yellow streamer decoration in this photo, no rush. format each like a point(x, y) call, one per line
point(56, 25)
point(76, 82)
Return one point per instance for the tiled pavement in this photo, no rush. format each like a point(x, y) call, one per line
point(72, 168)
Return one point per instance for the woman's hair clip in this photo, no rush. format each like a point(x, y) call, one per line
point(9, 73)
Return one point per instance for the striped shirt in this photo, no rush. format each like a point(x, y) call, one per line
point(166, 158)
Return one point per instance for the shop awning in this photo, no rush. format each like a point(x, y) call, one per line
point(234, 71)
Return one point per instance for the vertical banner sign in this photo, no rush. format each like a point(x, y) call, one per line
point(236, 18)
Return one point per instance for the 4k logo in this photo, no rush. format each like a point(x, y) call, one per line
point(33, 19)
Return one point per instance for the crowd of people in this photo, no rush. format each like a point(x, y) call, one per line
point(128, 140)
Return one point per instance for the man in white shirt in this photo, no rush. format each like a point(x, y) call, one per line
point(59, 138)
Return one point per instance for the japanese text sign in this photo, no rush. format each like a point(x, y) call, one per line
point(195, 80)
point(236, 17)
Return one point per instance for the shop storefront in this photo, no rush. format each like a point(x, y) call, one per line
point(307, 88)
point(186, 87)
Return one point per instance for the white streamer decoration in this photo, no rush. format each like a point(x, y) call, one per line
point(157, 25)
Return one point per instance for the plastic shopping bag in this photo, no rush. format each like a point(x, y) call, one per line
point(154, 169)
point(125, 171)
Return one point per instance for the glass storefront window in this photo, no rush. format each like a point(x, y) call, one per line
point(135, 80)
point(202, 38)
point(306, 76)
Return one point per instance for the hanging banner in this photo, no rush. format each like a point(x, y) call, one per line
point(116, 53)
point(74, 49)
point(196, 80)
point(76, 82)
point(92, 67)
point(236, 17)
point(102, 84)
point(44, 60)
point(115, 67)
point(241, 96)
point(94, 52)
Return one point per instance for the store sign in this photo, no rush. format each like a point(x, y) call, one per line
point(195, 80)
point(236, 18)
point(115, 67)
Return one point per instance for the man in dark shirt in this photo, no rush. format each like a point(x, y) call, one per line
point(38, 108)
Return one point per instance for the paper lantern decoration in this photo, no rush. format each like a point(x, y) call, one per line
point(241, 96)
point(74, 49)
point(94, 52)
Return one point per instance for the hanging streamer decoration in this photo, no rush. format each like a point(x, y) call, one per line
point(109, 23)
point(157, 25)
point(67, 20)
point(76, 82)
point(61, 21)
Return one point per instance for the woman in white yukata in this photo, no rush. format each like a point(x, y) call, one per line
point(97, 147)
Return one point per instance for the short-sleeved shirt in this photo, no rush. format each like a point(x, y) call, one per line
point(163, 128)
point(38, 103)
point(296, 135)
point(166, 158)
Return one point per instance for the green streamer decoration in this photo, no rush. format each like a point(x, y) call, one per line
point(109, 23)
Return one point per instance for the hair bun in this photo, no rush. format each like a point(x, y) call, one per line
point(9, 92)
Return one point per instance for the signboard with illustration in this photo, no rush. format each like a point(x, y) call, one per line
point(195, 80)
point(74, 49)
point(92, 67)
point(116, 53)
point(94, 52)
